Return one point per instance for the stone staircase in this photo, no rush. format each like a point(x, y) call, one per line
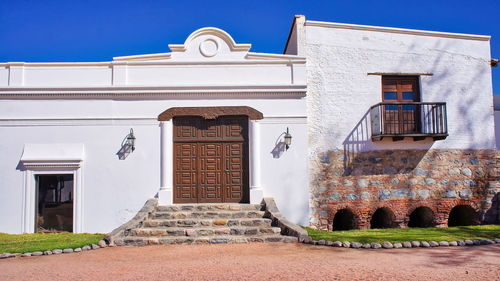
point(199, 224)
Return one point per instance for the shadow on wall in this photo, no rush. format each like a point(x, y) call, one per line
point(279, 147)
point(124, 151)
point(459, 93)
point(463, 114)
point(20, 166)
point(492, 215)
point(358, 163)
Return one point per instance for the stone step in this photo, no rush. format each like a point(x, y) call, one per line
point(231, 239)
point(209, 207)
point(207, 222)
point(206, 214)
point(203, 231)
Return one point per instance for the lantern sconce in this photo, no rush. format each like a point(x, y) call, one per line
point(130, 142)
point(127, 145)
point(288, 139)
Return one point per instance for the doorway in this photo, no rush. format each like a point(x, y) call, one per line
point(211, 159)
point(54, 203)
point(401, 111)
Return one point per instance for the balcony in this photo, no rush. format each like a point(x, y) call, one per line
point(418, 120)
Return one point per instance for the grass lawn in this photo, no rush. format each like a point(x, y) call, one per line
point(477, 232)
point(23, 243)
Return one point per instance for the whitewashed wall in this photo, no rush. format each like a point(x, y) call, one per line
point(496, 102)
point(340, 91)
point(113, 189)
point(96, 104)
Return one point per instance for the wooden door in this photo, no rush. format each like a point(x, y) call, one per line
point(211, 162)
point(400, 118)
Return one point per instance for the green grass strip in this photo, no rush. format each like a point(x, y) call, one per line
point(477, 232)
point(24, 243)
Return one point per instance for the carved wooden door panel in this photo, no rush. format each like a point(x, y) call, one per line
point(210, 172)
point(233, 172)
point(185, 172)
point(211, 163)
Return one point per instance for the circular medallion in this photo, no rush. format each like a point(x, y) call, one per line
point(209, 48)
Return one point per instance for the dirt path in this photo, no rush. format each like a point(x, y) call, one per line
point(258, 261)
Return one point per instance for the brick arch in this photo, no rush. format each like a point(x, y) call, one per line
point(397, 219)
point(414, 207)
point(455, 203)
point(397, 214)
point(210, 112)
point(333, 210)
point(477, 210)
point(433, 209)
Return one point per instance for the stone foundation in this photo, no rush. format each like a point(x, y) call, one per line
point(401, 181)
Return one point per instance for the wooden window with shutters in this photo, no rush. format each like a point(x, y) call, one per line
point(402, 117)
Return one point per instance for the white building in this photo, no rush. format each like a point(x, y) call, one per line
point(431, 144)
point(71, 118)
point(211, 102)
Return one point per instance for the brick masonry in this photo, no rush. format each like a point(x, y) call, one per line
point(403, 180)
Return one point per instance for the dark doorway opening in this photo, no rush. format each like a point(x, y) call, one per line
point(462, 215)
point(344, 220)
point(422, 217)
point(382, 218)
point(54, 210)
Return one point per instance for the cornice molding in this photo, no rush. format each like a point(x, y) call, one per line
point(66, 164)
point(158, 56)
point(79, 95)
point(153, 91)
point(256, 58)
point(292, 58)
point(399, 30)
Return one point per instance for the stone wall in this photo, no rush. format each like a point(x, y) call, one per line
point(402, 180)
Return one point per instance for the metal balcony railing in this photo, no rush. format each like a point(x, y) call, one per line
point(419, 120)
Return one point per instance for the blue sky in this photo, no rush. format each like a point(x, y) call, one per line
point(93, 30)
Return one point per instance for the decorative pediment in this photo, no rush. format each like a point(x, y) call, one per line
point(208, 43)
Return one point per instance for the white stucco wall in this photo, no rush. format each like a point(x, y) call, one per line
point(340, 91)
point(497, 129)
point(496, 102)
point(96, 104)
point(113, 189)
point(285, 174)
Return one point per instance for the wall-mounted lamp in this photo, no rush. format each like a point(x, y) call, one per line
point(131, 140)
point(288, 139)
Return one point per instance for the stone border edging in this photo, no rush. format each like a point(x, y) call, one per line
point(108, 240)
point(100, 244)
point(135, 222)
point(406, 244)
point(287, 227)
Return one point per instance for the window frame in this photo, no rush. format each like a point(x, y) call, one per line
point(401, 127)
point(416, 85)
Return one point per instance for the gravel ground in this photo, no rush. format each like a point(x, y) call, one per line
point(259, 261)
